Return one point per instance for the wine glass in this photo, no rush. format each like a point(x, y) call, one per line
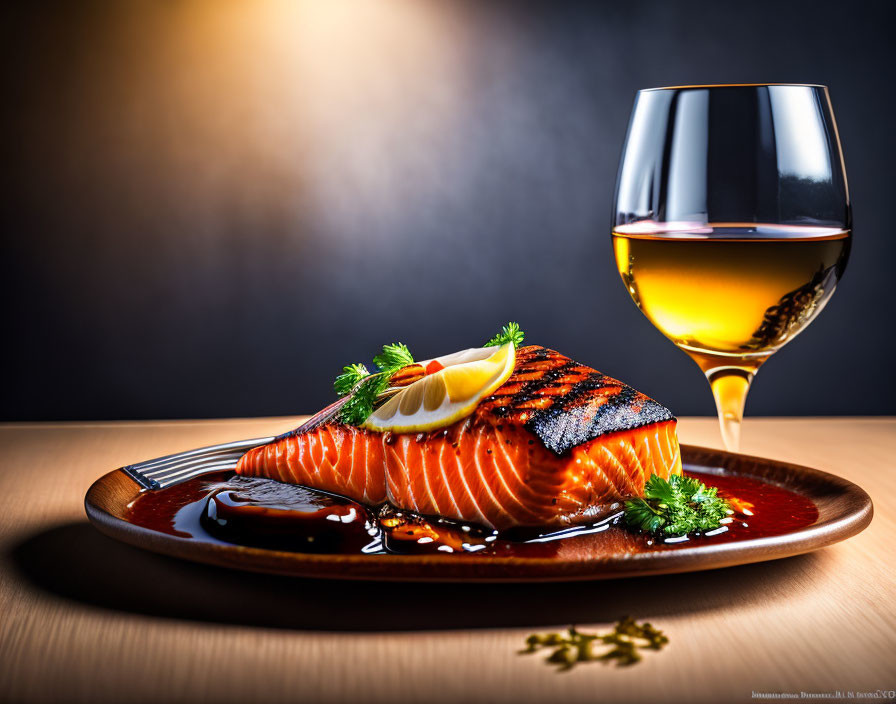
point(732, 223)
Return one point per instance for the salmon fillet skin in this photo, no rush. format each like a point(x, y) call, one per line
point(557, 444)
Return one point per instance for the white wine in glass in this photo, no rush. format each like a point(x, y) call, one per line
point(732, 224)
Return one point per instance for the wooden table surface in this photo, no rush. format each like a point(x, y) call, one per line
point(83, 618)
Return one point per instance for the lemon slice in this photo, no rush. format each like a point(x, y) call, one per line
point(445, 396)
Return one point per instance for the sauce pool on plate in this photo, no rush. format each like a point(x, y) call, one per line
point(262, 513)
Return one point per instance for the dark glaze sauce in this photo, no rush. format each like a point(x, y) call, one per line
point(225, 508)
point(267, 514)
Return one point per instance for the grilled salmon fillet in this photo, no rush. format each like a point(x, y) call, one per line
point(557, 444)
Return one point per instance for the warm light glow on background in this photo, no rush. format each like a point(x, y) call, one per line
point(340, 119)
point(380, 97)
point(219, 198)
point(341, 100)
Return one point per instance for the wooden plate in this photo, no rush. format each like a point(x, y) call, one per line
point(844, 509)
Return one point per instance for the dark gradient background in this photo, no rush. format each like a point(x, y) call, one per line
point(209, 207)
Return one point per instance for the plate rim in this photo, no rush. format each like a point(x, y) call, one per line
point(501, 569)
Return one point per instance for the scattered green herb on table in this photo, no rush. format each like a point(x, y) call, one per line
point(676, 507)
point(574, 647)
point(364, 388)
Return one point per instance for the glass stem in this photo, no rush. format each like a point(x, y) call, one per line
point(729, 388)
point(730, 380)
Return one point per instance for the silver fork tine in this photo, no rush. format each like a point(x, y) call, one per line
point(180, 466)
point(192, 461)
point(193, 464)
point(202, 451)
point(171, 480)
point(162, 472)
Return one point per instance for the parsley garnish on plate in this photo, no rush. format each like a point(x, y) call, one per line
point(676, 507)
point(573, 647)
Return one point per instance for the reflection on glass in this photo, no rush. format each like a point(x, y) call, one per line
point(732, 223)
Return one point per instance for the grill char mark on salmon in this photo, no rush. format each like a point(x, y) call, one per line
point(566, 403)
point(557, 444)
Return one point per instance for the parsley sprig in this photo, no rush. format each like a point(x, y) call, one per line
point(351, 376)
point(575, 646)
point(364, 388)
point(509, 333)
point(676, 507)
point(393, 357)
